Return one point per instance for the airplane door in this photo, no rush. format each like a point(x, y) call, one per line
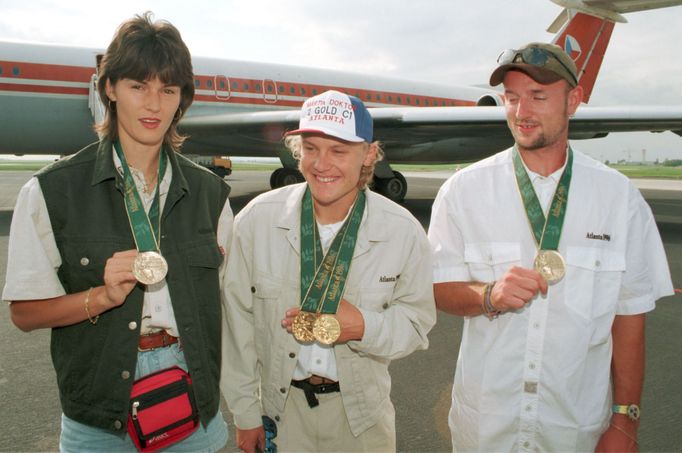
point(94, 102)
point(269, 91)
point(221, 86)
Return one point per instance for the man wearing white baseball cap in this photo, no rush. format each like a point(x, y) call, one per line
point(328, 282)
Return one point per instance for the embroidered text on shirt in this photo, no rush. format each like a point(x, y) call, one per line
point(601, 237)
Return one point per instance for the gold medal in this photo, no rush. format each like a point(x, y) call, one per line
point(150, 267)
point(302, 327)
point(550, 264)
point(327, 329)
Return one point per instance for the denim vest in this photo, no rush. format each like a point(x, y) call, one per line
point(95, 364)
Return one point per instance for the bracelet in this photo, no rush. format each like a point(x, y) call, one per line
point(92, 320)
point(625, 433)
point(488, 308)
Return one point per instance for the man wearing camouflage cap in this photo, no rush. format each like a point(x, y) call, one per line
point(552, 259)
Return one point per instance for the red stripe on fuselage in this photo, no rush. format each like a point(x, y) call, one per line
point(267, 90)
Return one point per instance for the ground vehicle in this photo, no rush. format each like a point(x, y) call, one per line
point(220, 165)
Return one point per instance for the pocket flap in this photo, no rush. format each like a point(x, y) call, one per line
point(595, 259)
point(492, 253)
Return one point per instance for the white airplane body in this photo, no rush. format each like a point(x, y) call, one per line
point(48, 102)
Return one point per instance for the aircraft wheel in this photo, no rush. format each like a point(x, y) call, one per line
point(274, 177)
point(284, 177)
point(394, 188)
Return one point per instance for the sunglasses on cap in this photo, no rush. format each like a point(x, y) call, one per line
point(535, 56)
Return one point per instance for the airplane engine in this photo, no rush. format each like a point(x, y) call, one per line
point(488, 100)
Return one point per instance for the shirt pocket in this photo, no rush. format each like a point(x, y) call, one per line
point(487, 262)
point(593, 279)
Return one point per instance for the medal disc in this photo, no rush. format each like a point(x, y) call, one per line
point(302, 327)
point(327, 329)
point(550, 264)
point(150, 267)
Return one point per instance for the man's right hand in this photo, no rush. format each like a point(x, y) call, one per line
point(516, 288)
point(251, 440)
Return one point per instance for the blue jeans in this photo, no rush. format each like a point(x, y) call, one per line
point(77, 437)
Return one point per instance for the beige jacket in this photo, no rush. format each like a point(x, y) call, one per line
point(390, 279)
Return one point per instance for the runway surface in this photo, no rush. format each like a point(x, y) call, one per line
point(422, 382)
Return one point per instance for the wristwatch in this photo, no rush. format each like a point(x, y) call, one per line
point(631, 410)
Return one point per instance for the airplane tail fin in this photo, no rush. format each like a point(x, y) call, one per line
point(584, 30)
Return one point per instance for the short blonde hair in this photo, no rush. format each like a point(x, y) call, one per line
point(294, 143)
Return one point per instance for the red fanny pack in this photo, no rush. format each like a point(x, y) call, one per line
point(162, 409)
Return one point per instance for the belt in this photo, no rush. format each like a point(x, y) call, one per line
point(310, 389)
point(155, 340)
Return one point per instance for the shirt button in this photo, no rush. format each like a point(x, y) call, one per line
point(597, 263)
point(292, 355)
point(528, 408)
point(118, 424)
point(526, 444)
point(132, 325)
point(536, 325)
point(276, 417)
point(531, 366)
point(125, 374)
point(385, 306)
point(283, 390)
point(318, 361)
point(85, 261)
point(253, 290)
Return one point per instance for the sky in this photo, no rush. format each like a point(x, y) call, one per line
point(445, 41)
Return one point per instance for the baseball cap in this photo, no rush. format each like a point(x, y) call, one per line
point(337, 115)
point(543, 62)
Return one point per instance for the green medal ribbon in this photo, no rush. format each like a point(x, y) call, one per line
point(146, 228)
point(547, 231)
point(323, 279)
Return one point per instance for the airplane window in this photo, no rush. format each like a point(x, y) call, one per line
point(378, 97)
point(235, 85)
point(209, 83)
point(222, 84)
point(369, 97)
point(269, 88)
point(407, 100)
point(314, 91)
point(258, 87)
point(246, 87)
point(0, 70)
point(292, 90)
point(16, 71)
point(281, 89)
point(197, 83)
point(400, 101)
point(390, 98)
point(302, 91)
point(426, 102)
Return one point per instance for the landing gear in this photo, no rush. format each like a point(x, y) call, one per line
point(284, 177)
point(394, 188)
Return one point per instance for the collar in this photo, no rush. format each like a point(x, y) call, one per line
point(372, 229)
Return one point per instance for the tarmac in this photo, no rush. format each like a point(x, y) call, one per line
point(422, 381)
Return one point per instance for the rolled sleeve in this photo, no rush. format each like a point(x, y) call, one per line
point(32, 254)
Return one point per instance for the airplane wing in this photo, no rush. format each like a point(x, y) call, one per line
point(482, 129)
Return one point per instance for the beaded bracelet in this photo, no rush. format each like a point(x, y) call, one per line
point(488, 308)
point(92, 320)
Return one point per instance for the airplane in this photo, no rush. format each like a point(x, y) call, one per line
point(243, 108)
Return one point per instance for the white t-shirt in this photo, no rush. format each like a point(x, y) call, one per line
point(539, 378)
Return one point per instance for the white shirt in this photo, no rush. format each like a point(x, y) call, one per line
point(539, 378)
point(33, 256)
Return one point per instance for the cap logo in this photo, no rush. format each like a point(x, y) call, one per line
point(572, 47)
point(332, 110)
